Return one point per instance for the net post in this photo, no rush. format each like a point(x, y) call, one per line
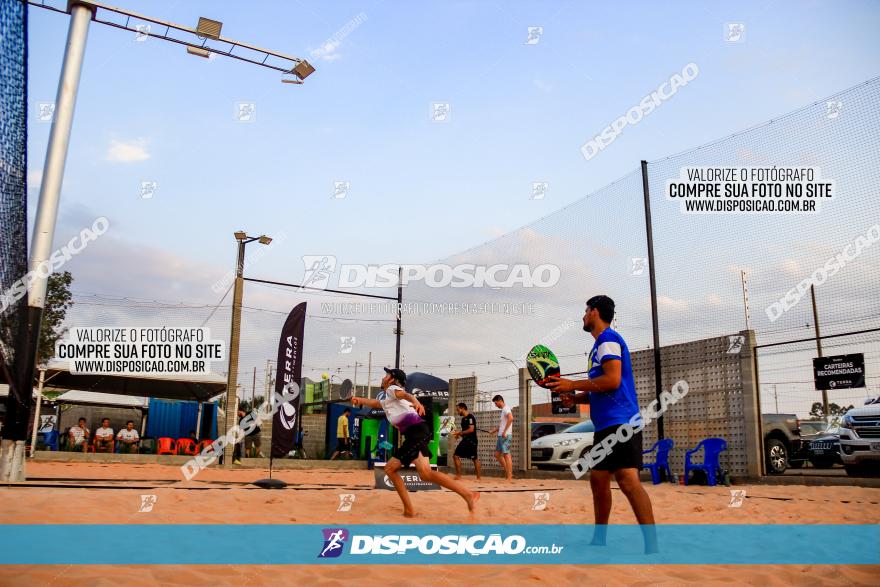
point(658, 382)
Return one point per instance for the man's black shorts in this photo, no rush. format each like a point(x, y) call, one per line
point(466, 450)
point(415, 442)
point(623, 455)
point(342, 444)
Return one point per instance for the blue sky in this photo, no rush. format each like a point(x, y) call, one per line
point(420, 190)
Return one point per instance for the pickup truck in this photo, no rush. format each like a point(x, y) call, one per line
point(783, 446)
point(860, 439)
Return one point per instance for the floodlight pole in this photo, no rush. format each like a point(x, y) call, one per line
point(44, 224)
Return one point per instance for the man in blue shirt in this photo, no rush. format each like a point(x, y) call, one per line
point(611, 392)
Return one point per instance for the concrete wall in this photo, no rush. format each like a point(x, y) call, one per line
point(721, 399)
point(464, 390)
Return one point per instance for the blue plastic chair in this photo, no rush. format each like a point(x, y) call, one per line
point(661, 462)
point(713, 447)
point(48, 439)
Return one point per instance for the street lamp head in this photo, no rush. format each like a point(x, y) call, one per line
point(303, 69)
point(240, 235)
point(209, 28)
point(265, 240)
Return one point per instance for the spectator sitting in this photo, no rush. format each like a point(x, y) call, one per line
point(79, 436)
point(104, 437)
point(128, 438)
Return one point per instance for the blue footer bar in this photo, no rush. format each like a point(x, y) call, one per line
point(35, 544)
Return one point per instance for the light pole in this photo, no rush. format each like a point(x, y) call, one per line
point(232, 376)
point(81, 13)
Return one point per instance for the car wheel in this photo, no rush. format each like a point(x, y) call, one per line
point(777, 456)
point(822, 463)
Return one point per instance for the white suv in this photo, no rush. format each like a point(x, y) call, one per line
point(860, 439)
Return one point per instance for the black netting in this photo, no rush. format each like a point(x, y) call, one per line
point(13, 191)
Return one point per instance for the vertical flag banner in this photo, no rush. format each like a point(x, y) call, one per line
point(290, 348)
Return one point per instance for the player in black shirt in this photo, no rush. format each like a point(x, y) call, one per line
point(467, 446)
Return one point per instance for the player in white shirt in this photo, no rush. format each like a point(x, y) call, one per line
point(104, 437)
point(128, 438)
point(404, 412)
point(505, 437)
point(79, 436)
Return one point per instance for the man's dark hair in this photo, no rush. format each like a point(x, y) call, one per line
point(104, 420)
point(346, 411)
point(129, 422)
point(497, 398)
point(461, 405)
point(82, 419)
point(604, 305)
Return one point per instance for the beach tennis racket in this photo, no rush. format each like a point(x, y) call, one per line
point(542, 364)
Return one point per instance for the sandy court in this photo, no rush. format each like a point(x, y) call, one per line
point(216, 497)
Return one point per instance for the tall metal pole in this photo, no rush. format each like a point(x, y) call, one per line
point(398, 331)
point(819, 346)
point(658, 383)
point(232, 376)
point(47, 212)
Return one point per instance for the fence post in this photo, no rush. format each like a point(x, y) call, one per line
point(649, 233)
point(525, 416)
point(751, 405)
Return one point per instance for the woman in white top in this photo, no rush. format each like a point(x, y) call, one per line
point(404, 412)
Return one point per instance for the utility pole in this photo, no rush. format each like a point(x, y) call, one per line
point(649, 233)
point(369, 373)
point(745, 288)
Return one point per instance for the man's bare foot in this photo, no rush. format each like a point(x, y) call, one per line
point(409, 513)
point(472, 501)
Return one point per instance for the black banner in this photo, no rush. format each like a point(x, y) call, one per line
point(840, 372)
point(411, 479)
point(290, 348)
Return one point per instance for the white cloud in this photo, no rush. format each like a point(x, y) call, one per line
point(327, 51)
point(671, 304)
point(127, 151)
